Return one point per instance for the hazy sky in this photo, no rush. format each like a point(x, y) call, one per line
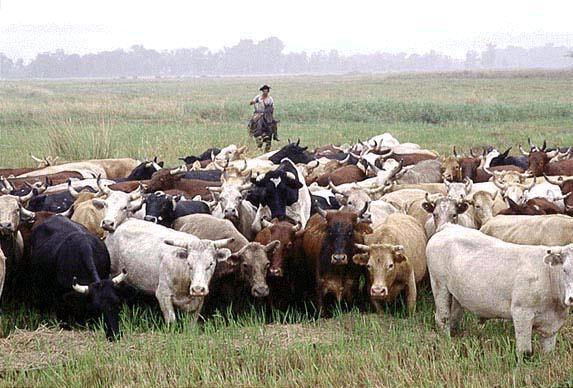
point(31, 26)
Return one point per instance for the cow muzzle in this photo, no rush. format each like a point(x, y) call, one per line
point(378, 292)
point(150, 219)
point(276, 272)
point(230, 214)
point(339, 258)
point(6, 228)
point(199, 291)
point(108, 225)
point(260, 291)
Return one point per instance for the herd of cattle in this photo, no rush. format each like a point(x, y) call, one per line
point(491, 232)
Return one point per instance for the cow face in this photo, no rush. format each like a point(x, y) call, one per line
point(537, 162)
point(340, 235)
point(279, 190)
point(254, 264)
point(145, 170)
point(160, 208)
point(483, 205)
point(118, 205)
point(469, 167)
point(201, 257)
point(293, 152)
point(385, 262)
point(230, 200)
point(11, 213)
point(459, 190)
point(286, 234)
point(451, 169)
point(445, 210)
point(560, 260)
point(102, 296)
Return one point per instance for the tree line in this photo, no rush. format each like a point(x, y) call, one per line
point(268, 57)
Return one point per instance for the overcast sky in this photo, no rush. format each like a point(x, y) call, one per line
point(452, 27)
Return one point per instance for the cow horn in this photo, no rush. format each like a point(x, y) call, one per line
point(429, 200)
point(523, 152)
point(298, 141)
point(73, 192)
point(266, 223)
point(291, 175)
point(216, 189)
point(245, 166)
point(364, 208)
point(558, 181)
point(38, 160)
point(334, 146)
point(174, 243)
point(311, 167)
point(80, 289)
point(103, 188)
point(136, 194)
point(529, 187)
point(447, 183)
point(27, 197)
point(469, 184)
point(362, 247)
point(384, 189)
point(68, 213)
point(8, 188)
point(118, 279)
point(246, 186)
point(223, 242)
point(344, 161)
point(321, 211)
point(26, 213)
point(455, 153)
point(334, 188)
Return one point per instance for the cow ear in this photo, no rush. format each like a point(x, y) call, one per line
point(222, 254)
point(340, 198)
point(461, 207)
point(553, 258)
point(160, 164)
point(363, 228)
point(271, 247)
point(233, 259)
point(361, 258)
point(504, 155)
point(427, 206)
point(98, 203)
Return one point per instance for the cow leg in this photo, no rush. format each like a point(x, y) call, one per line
point(166, 305)
point(193, 309)
point(523, 323)
point(456, 314)
point(548, 343)
point(411, 293)
point(443, 301)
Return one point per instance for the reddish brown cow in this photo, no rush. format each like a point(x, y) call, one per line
point(346, 174)
point(166, 179)
point(483, 176)
point(329, 245)
point(128, 186)
point(52, 179)
point(566, 187)
point(539, 165)
point(8, 172)
point(532, 207)
point(410, 159)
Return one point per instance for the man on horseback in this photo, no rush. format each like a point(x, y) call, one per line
point(264, 108)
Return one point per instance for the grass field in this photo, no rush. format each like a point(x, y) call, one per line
point(171, 118)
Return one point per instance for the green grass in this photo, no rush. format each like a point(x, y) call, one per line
point(170, 118)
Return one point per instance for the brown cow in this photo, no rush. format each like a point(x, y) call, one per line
point(346, 174)
point(566, 187)
point(451, 169)
point(538, 163)
point(532, 207)
point(166, 179)
point(329, 244)
point(395, 255)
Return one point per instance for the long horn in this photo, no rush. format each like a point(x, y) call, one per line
point(559, 181)
point(266, 223)
point(562, 197)
point(8, 188)
point(384, 189)
point(25, 198)
point(364, 208)
point(246, 186)
point(26, 213)
point(345, 160)
point(223, 242)
point(73, 192)
point(321, 211)
point(245, 167)
point(523, 152)
point(80, 289)
point(362, 247)
point(334, 189)
point(103, 188)
point(118, 279)
point(529, 187)
point(469, 184)
point(387, 154)
point(136, 194)
point(455, 153)
point(38, 160)
point(216, 189)
point(174, 243)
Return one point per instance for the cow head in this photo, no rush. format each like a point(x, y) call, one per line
point(145, 170)
point(560, 263)
point(342, 231)
point(277, 190)
point(12, 212)
point(459, 190)
point(160, 208)
point(483, 206)
point(521, 209)
point(354, 199)
point(230, 198)
point(254, 264)
point(284, 232)
point(384, 262)
point(451, 169)
point(566, 187)
point(103, 297)
point(202, 257)
point(293, 152)
point(444, 209)
point(511, 185)
point(165, 179)
point(118, 206)
point(538, 159)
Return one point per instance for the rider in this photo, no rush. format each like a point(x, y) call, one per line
point(263, 104)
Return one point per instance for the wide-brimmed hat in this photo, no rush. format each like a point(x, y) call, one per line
point(265, 86)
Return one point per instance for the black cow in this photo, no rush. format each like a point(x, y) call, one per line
point(163, 209)
point(55, 203)
point(66, 258)
point(143, 171)
point(204, 156)
point(324, 203)
point(204, 175)
point(277, 190)
point(352, 159)
point(505, 159)
point(294, 152)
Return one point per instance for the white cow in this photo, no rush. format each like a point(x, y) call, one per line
point(532, 285)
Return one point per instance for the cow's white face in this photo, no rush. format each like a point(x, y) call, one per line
point(561, 261)
point(117, 207)
point(515, 193)
point(202, 258)
point(230, 200)
point(483, 206)
point(445, 210)
point(11, 213)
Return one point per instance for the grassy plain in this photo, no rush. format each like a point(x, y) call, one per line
point(171, 118)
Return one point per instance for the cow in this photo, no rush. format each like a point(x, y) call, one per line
point(164, 209)
point(324, 199)
point(345, 174)
point(412, 158)
point(229, 153)
point(143, 171)
point(282, 193)
point(566, 187)
point(505, 159)
point(395, 256)
point(67, 258)
point(85, 213)
point(531, 285)
point(12, 212)
point(459, 190)
point(251, 258)
point(447, 210)
point(86, 169)
point(329, 245)
point(231, 205)
point(167, 179)
point(484, 205)
point(538, 163)
point(554, 229)
point(174, 266)
point(513, 190)
point(531, 207)
point(451, 169)
point(189, 160)
point(117, 206)
point(294, 152)
point(55, 202)
point(426, 171)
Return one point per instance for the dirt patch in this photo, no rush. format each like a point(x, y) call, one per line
point(30, 350)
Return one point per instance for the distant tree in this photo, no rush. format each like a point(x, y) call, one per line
point(488, 56)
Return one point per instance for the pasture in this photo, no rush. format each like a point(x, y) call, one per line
point(172, 118)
